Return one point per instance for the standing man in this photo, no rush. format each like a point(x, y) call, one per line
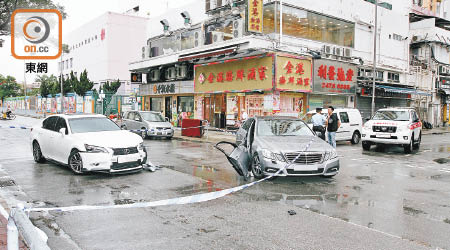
point(333, 123)
point(318, 121)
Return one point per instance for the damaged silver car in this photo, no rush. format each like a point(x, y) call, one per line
point(272, 142)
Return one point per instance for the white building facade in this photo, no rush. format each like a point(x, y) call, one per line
point(326, 34)
point(104, 47)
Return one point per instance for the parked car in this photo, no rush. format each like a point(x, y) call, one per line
point(87, 143)
point(271, 142)
point(147, 124)
point(398, 126)
point(351, 123)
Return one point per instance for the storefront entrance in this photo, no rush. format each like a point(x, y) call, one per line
point(214, 110)
point(168, 107)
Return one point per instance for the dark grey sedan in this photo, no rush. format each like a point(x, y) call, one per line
point(267, 144)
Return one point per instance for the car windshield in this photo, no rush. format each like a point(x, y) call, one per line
point(152, 117)
point(92, 124)
point(391, 115)
point(280, 127)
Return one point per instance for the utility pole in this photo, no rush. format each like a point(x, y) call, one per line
point(374, 57)
point(61, 81)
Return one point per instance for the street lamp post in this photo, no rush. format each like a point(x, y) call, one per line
point(61, 82)
point(374, 57)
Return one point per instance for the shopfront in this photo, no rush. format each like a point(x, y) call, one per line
point(175, 100)
point(334, 84)
point(383, 98)
point(228, 91)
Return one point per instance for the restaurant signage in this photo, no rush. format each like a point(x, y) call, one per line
point(334, 77)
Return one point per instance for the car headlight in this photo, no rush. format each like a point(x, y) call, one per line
point(272, 156)
point(95, 149)
point(141, 146)
point(367, 126)
point(329, 155)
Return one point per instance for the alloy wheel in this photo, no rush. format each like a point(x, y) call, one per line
point(76, 163)
point(256, 167)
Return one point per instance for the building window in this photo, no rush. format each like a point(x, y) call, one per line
point(393, 77)
point(309, 25)
point(95, 37)
point(367, 73)
point(71, 62)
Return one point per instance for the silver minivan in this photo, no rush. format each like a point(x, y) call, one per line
point(147, 124)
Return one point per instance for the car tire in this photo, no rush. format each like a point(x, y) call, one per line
point(417, 144)
point(169, 137)
point(144, 161)
point(37, 153)
point(257, 170)
point(408, 148)
point(143, 133)
point(356, 137)
point(366, 145)
point(76, 162)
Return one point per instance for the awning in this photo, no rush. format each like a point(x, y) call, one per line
point(403, 90)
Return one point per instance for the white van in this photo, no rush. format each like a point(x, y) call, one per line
point(351, 123)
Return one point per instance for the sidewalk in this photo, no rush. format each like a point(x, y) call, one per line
point(217, 136)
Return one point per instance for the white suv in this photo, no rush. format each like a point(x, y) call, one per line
point(400, 126)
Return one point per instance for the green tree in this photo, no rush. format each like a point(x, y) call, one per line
point(83, 85)
point(111, 88)
point(8, 6)
point(48, 84)
point(67, 86)
point(8, 87)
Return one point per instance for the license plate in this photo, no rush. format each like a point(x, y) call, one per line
point(127, 158)
point(383, 136)
point(305, 168)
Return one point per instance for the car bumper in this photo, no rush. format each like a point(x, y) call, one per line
point(328, 168)
point(393, 138)
point(107, 162)
point(160, 133)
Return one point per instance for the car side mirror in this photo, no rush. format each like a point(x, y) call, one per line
point(62, 131)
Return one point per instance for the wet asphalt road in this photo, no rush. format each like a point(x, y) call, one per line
point(382, 199)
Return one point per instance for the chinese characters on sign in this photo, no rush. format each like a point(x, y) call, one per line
point(36, 67)
point(254, 73)
point(237, 75)
point(255, 16)
point(335, 77)
point(293, 74)
point(164, 88)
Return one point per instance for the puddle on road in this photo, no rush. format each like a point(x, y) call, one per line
point(442, 160)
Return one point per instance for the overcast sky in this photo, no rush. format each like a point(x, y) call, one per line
point(80, 12)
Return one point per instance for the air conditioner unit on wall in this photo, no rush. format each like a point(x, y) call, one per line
point(217, 36)
point(181, 71)
point(171, 73)
point(347, 52)
point(338, 51)
point(145, 52)
point(154, 75)
point(327, 49)
point(238, 28)
point(198, 38)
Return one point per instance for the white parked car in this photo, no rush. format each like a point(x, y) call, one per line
point(87, 143)
point(399, 126)
point(351, 123)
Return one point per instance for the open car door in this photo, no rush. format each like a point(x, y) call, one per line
point(239, 157)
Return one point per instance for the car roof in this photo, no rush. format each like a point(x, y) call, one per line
point(273, 117)
point(71, 116)
point(157, 112)
point(398, 109)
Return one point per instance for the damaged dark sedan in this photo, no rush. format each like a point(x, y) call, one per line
point(267, 144)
